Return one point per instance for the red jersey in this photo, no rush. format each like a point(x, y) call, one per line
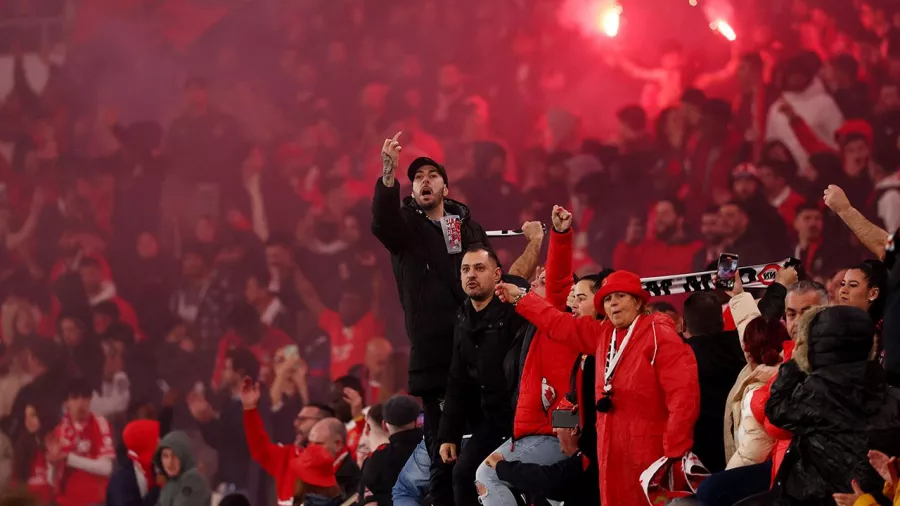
point(348, 344)
point(90, 440)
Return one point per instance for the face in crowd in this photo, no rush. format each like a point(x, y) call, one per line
point(621, 309)
point(480, 275)
point(855, 290)
point(797, 303)
point(583, 302)
point(429, 189)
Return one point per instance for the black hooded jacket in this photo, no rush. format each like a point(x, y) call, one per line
point(837, 405)
point(427, 279)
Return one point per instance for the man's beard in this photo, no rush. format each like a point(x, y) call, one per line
point(480, 296)
point(666, 234)
point(435, 202)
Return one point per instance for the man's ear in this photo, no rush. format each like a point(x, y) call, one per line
point(446, 190)
point(384, 426)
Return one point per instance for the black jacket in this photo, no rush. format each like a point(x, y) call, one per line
point(486, 350)
point(381, 470)
point(427, 280)
point(347, 475)
point(837, 405)
point(574, 480)
point(719, 361)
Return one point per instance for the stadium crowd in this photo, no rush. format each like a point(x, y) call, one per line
point(234, 297)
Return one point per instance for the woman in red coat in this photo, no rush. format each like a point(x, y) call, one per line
point(647, 390)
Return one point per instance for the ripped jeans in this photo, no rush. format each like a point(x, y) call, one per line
point(542, 450)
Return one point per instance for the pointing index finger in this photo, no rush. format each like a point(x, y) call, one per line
point(397, 136)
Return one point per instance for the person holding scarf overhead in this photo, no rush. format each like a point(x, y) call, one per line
point(648, 394)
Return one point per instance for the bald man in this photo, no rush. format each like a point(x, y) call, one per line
point(332, 434)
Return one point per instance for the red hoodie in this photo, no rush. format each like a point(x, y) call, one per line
point(548, 364)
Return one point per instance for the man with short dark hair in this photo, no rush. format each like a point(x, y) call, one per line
point(487, 341)
point(272, 311)
point(735, 227)
point(380, 471)
point(773, 177)
point(669, 252)
point(720, 359)
point(84, 452)
point(426, 236)
point(711, 234)
point(819, 258)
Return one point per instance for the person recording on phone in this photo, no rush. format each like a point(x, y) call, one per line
point(426, 234)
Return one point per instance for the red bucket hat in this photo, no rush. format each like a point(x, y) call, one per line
point(315, 466)
point(620, 281)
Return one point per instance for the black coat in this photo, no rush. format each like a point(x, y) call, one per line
point(486, 350)
point(123, 489)
point(381, 470)
point(427, 279)
point(838, 407)
point(719, 361)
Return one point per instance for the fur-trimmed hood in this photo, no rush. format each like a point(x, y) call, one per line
point(833, 335)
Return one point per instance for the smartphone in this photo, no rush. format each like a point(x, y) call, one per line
point(564, 419)
point(291, 351)
point(726, 271)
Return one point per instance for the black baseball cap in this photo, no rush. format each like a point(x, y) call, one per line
point(401, 410)
point(424, 161)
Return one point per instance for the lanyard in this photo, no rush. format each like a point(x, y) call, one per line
point(614, 355)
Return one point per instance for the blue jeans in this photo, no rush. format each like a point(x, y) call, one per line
point(541, 450)
point(412, 484)
point(733, 485)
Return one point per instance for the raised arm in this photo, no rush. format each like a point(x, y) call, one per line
point(262, 449)
point(526, 264)
point(308, 293)
point(869, 234)
point(637, 72)
point(388, 224)
point(708, 79)
point(559, 259)
point(580, 334)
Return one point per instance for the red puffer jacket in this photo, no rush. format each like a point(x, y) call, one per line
point(545, 374)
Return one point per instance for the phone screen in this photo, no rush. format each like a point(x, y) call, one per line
point(291, 351)
point(564, 419)
point(726, 271)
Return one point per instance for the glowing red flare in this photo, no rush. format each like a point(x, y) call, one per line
point(724, 28)
point(609, 20)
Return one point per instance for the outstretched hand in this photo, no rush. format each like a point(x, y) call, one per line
point(250, 394)
point(390, 158)
point(508, 292)
point(886, 466)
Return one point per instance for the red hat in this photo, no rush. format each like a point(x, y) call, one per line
point(620, 281)
point(315, 466)
point(854, 128)
point(141, 438)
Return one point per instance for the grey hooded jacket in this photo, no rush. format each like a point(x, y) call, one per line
point(188, 488)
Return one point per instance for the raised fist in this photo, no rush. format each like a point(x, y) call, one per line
point(562, 219)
